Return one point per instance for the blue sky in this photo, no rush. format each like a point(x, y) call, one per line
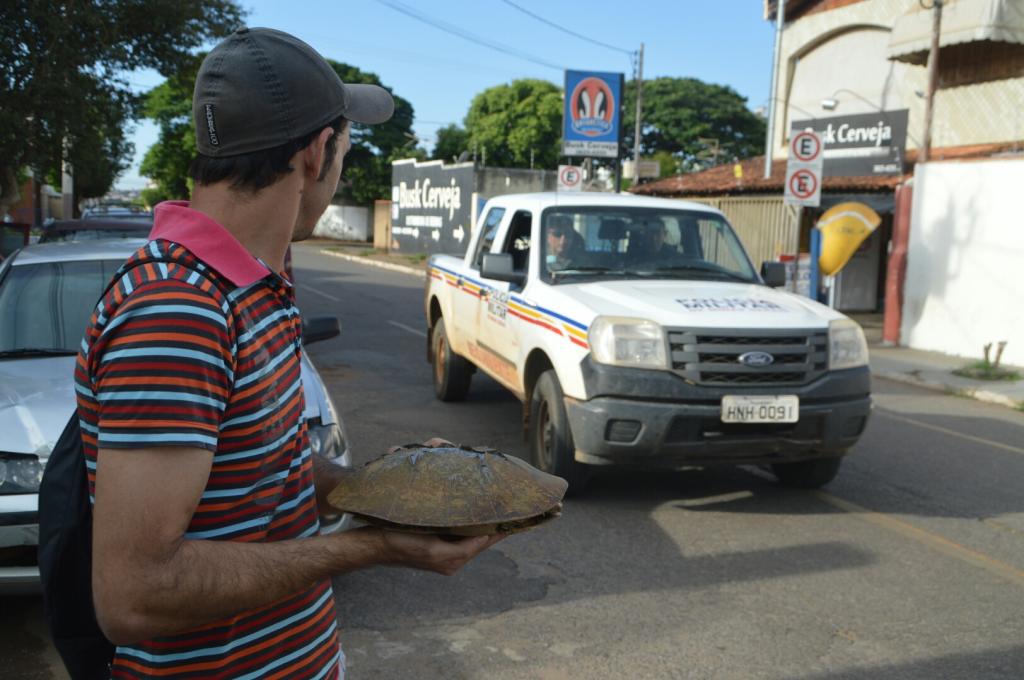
point(722, 41)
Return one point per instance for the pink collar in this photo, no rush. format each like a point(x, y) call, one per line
point(175, 221)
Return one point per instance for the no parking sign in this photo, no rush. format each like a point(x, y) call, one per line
point(570, 178)
point(803, 170)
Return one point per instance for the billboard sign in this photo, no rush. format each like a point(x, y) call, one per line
point(862, 144)
point(431, 206)
point(592, 115)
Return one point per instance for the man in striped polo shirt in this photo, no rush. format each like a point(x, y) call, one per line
point(206, 558)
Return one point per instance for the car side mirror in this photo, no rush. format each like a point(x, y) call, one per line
point(774, 274)
point(319, 328)
point(498, 266)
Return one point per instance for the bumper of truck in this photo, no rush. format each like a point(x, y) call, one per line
point(655, 418)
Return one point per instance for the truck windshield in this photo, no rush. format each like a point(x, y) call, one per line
point(582, 241)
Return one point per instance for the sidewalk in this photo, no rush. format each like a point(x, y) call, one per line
point(934, 371)
point(931, 370)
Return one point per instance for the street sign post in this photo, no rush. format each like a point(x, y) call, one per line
point(803, 170)
point(570, 178)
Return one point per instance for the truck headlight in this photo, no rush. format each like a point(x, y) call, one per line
point(847, 347)
point(625, 341)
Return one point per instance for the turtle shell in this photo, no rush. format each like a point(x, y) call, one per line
point(449, 490)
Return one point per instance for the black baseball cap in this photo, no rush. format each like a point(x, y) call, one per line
point(262, 88)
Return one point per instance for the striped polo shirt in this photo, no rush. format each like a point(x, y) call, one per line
point(198, 345)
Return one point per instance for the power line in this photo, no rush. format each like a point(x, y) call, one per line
point(563, 29)
point(464, 34)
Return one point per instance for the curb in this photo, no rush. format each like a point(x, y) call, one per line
point(376, 263)
point(970, 392)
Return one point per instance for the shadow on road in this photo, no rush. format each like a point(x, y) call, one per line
point(1004, 662)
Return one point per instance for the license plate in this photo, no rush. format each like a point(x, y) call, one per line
point(761, 409)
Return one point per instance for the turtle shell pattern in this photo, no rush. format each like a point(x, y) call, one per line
point(452, 490)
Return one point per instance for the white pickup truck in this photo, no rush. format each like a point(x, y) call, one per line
point(636, 331)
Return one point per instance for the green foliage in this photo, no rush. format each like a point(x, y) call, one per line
point(452, 140)
point(62, 77)
point(509, 121)
point(170, 106)
point(668, 163)
point(678, 111)
point(367, 167)
point(367, 171)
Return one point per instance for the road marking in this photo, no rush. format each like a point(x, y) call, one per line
point(928, 538)
point(408, 328)
point(954, 433)
point(319, 292)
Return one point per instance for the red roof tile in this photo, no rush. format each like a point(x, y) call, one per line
point(721, 180)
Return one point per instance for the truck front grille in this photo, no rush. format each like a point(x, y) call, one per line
point(713, 357)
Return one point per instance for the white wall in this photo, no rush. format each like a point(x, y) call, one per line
point(344, 222)
point(965, 264)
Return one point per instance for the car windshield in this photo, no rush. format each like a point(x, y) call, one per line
point(87, 234)
point(582, 242)
point(44, 308)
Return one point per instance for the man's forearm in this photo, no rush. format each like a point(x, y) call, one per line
point(204, 581)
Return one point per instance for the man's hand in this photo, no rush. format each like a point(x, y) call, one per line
point(429, 552)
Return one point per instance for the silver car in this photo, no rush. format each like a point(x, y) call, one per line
point(47, 294)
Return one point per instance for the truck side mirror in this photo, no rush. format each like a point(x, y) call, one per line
point(774, 274)
point(319, 328)
point(498, 266)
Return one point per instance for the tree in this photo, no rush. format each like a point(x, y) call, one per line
point(679, 111)
point(451, 142)
point(169, 105)
point(508, 123)
point(367, 170)
point(62, 78)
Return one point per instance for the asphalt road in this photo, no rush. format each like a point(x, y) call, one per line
point(909, 565)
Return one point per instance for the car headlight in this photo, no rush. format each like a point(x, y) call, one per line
point(328, 441)
point(20, 474)
point(847, 347)
point(625, 341)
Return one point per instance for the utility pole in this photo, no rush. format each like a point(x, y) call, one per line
point(933, 81)
point(639, 110)
point(780, 19)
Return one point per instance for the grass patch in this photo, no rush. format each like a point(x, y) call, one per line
point(367, 252)
point(983, 370)
point(419, 258)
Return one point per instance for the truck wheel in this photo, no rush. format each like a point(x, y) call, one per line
point(452, 373)
point(551, 445)
point(807, 474)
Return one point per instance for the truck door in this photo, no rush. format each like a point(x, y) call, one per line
point(497, 330)
point(466, 300)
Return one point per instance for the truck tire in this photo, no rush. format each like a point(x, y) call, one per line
point(451, 372)
point(551, 446)
point(807, 474)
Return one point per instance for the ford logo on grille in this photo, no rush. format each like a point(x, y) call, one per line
point(757, 359)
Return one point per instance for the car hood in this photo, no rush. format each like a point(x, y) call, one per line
point(37, 398)
point(703, 304)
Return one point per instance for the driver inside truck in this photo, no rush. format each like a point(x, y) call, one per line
point(564, 244)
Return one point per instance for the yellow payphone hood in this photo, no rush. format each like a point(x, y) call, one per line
point(843, 228)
